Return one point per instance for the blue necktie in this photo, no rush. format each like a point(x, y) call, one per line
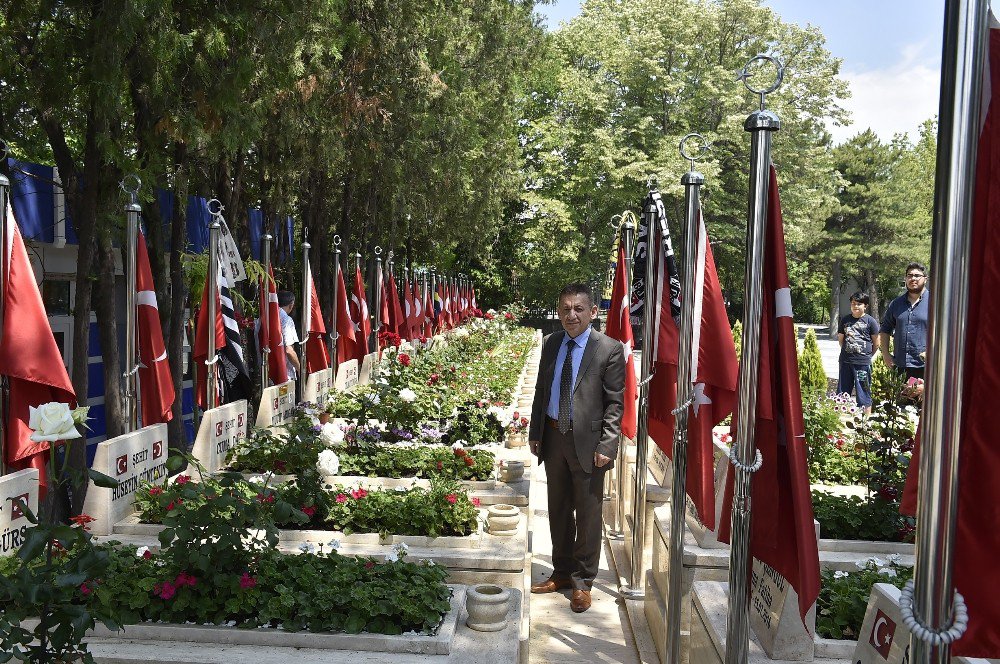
point(566, 389)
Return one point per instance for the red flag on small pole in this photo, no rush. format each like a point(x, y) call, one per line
point(317, 357)
point(619, 326)
point(359, 314)
point(156, 386)
point(346, 340)
point(269, 337)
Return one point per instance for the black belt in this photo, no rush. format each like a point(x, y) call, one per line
point(554, 424)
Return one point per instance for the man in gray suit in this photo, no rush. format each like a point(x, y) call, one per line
point(575, 422)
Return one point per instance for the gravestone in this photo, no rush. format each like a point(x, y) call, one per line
point(221, 428)
point(132, 458)
point(319, 387)
point(775, 619)
point(14, 524)
point(884, 638)
point(276, 405)
point(365, 376)
point(347, 375)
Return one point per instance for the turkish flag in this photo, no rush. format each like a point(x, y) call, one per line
point(428, 312)
point(976, 575)
point(417, 322)
point(317, 357)
point(346, 340)
point(156, 386)
point(200, 354)
point(619, 326)
point(270, 336)
point(396, 323)
point(385, 309)
point(29, 355)
point(781, 530)
point(359, 314)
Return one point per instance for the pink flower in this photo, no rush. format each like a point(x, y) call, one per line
point(165, 590)
point(341, 498)
point(247, 582)
point(517, 415)
point(369, 564)
point(85, 589)
point(183, 479)
point(475, 502)
point(309, 511)
point(185, 579)
point(451, 498)
point(358, 493)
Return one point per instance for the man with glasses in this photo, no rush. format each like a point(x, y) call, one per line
point(906, 320)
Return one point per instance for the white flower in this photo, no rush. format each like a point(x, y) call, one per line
point(458, 445)
point(142, 551)
point(839, 574)
point(878, 561)
point(328, 463)
point(307, 547)
point(405, 346)
point(407, 395)
point(893, 557)
point(392, 556)
point(500, 414)
point(400, 489)
point(334, 544)
point(331, 434)
point(257, 479)
point(52, 421)
point(888, 571)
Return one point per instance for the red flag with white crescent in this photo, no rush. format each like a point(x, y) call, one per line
point(346, 341)
point(317, 357)
point(619, 327)
point(156, 386)
point(270, 336)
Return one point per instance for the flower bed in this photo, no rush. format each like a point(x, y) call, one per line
point(843, 596)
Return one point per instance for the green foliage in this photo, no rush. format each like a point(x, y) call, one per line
point(393, 461)
point(812, 378)
point(834, 458)
point(857, 518)
point(738, 338)
point(887, 384)
point(887, 434)
point(843, 596)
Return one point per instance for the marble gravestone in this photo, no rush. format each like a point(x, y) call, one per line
point(221, 429)
point(319, 386)
point(14, 524)
point(884, 638)
point(276, 405)
point(132, 458)
point(774, 616)
point(365, 376)
point(347, 375)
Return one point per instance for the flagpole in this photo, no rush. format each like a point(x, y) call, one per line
point(628, 241)
point(636, 586)
point(265, 313)
point(214, 229)
point(616, 529)
point(4, 404)
point(306, 315)
point(938, 612)
point(692, 181)
point(761, 123)
point(129, 385)
point(377, 294)
point(334, 335)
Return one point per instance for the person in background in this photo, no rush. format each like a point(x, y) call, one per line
point(906, 320)
point(289, 337)
point(858, 334)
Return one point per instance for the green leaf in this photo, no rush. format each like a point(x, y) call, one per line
point(102, 480)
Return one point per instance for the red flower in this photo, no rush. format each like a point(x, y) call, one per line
point(247, 582)
point(433, 379)
point(279, 465)
point(155, 490)
point(358, 494)
point(488, 316)
point(460, 452)
point(404, 359)
point(185, 579)
point(451, 498)
point(440, 465)
point(171, 506)
point(183, 479)
point(369, 564)
point(265, 499)
point(82, 520)
point(165, 590)
point(309, 511)
point(517, 415)
point(524, 421)
point(508, 315)
point(86, 589)
point(475, 502)
point(469, 461)
point(341, 498)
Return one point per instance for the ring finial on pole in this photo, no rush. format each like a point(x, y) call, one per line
point(746, 73)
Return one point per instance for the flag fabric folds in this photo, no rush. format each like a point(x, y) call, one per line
point(781, 531)
point(976, 575)
point(317, 357)
point(29, 355)
point(156, 386)
point(619, 327)
point(346, 341)
point(270, 337)
point(397, 322)
point(359, 314)
point(233, 378)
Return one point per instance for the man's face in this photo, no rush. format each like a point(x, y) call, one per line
point(576, 312)
point(858, 308)
point(915, 280)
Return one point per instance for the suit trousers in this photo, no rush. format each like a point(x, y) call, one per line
point(576, 500)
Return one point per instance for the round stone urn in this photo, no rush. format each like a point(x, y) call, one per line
point(511, 471)
point(502, 520)
point(487, 607)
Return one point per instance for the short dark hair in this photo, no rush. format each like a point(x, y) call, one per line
point(916, 266)
point(859, 297)
point(572, 290)
point(285, 297)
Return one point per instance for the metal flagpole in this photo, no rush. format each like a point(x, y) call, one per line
point(336, 302)
point(377, 296)
point(614, 529)
point(939, 618)
point(4, 401)
point(211, 371)
point(636, 588)
point(306, 314)
point(618, 533)
point(129, 384)
point(265, 313)
point(760, 124)
point(692, 181)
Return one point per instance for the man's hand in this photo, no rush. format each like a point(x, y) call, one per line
point(600, 460)
point(535, 446)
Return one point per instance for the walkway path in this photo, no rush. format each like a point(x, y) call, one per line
point(601, 634)
point(829, 348)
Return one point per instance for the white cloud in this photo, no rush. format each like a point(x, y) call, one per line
point(893, 99)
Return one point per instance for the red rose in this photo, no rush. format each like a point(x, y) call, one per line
point(155, 490)
point(183, 479)
point(469, 461)
point(404, 359)
point(171, 506)
point(147, 554)
point(517, 415)
point(460, 452)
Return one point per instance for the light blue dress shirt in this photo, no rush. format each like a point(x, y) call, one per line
point(581, 346)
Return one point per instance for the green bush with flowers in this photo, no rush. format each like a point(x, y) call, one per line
point(843, 596)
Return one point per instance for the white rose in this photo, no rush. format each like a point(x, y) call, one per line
point(407, 395)
point(328, 463)
point(52, 421)
point(331, 434)
point(142, 551)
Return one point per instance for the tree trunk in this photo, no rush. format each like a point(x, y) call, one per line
point(871, 280)
point(107, 331)
point(835, 286)
point(178, 292)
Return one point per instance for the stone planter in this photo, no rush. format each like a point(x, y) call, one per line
point(487, 607)
point(512, 471)
point(515, 440)
point(502, 520)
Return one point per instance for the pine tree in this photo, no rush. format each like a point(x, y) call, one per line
point(812, 378)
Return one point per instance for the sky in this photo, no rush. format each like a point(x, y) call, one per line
point(891, 52)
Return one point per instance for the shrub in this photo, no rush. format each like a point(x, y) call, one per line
point(738, 338)
point(843, 596)
point(855, 518)
point(812, 378)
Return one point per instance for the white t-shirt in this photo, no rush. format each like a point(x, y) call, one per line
point(289, 337)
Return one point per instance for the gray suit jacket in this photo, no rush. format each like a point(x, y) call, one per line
point(598, 396)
